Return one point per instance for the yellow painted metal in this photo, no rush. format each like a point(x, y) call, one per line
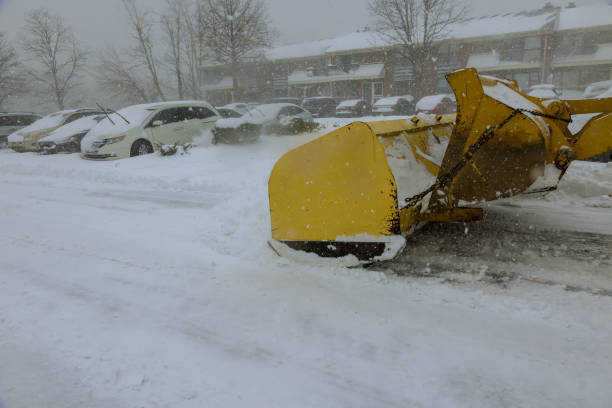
point(595, 137)
point(341, 185)
point(337, 185)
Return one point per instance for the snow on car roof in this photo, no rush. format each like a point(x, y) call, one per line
point(258, 115)
point(78, 126)
point(596, 88)
point(265, 112)
point(392, 100)
point(46, 122)
point(429, 102)
point(350, 102)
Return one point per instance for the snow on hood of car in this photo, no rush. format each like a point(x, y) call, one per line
point(392, 100)
point(430, 102)
point(73, 128)
point(349, 103)
point(135, 115)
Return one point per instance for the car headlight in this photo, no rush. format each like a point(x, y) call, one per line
point(112, 140)
point(79, 136)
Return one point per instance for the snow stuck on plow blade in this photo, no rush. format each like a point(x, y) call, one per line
point(384, 179)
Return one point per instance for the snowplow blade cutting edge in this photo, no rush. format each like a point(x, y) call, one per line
point(356, 190)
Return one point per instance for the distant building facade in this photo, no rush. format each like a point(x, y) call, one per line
point(568, 46)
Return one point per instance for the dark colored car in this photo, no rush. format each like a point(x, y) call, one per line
point(354, 108)
point(394, 105)
point(437, 104)
point(12, 122)
point(321, 106)
point(229, 113)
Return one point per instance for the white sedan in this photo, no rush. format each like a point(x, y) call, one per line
point(140, 129)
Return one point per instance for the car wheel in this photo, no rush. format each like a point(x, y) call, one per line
point(141, 147)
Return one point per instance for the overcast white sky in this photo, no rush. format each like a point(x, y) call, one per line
point(101, 22)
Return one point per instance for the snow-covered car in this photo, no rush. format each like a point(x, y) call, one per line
point(12, 122)
point(68, 138)
point(394, 105)
point(547, 91)
point(26, 139)
point(320, 106)
point(140, 129)
point(596, 89)
point(353, 107)
point(229, 113)
point(240, 107)
point(436, 104)
point(278, 118)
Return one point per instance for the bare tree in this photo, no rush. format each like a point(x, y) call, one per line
point(172, 26)
point(235, 29)
point(195, 46)
point(120, 77)
point(142, 25)
point(11, 79)
point(53, 52)
point(416, 25)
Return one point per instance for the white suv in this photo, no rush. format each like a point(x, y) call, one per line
point(140, 129)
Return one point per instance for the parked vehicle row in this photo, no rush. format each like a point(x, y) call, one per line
point(26, 139)
point(104, 134)
point(12, 122)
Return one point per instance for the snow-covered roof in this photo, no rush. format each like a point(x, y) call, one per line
point(585, 17)
point(345, 43)
point(365, 71)
point(501, 24)
point(554, 18)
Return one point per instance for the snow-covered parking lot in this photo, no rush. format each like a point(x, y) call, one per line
point(148, 282)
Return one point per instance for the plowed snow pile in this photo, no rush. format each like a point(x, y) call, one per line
point(148, 282)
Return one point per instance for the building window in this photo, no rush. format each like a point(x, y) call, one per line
point(532, 49)
point(522, 79)
point(379, 90)
point(513, 49)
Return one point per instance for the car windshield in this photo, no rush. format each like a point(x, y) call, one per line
point(135, 114)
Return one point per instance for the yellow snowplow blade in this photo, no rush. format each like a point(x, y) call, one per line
point(337, 195)
point(358, 188)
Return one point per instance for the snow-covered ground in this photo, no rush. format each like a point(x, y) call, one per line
point(148, 282)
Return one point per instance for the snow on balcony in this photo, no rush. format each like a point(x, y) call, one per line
point(602, 55)
point(492, 61)
point(225, 84)
point(363, 72)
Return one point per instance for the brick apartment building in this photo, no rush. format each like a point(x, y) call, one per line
point(568, 46)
